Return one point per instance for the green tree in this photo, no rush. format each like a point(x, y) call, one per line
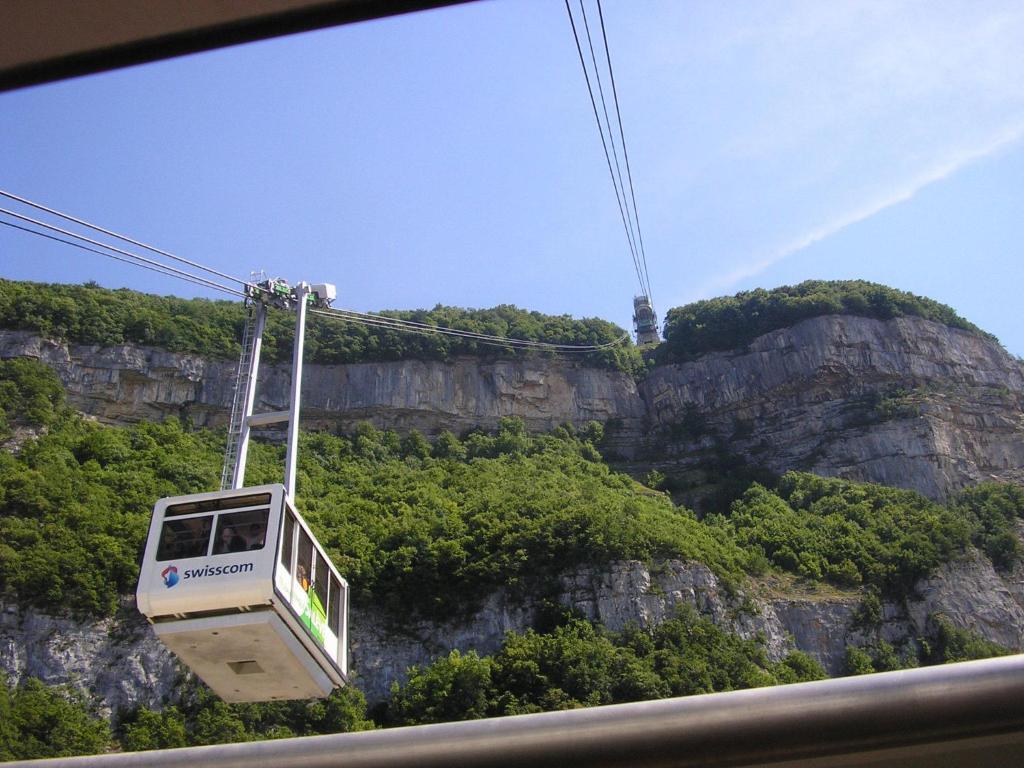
point(848, 533)
point(37, 721)
point(203, 718)
point(146, 729)
point(456, 687)
point(992, 510)
point(955, 644)
point(577, 664)
point(30, 393)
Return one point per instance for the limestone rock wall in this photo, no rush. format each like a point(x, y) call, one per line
point(121, 663)
point(117, 662)
point(903, 402)
point(128, 384)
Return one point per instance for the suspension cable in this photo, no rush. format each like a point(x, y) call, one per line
point(625, 153)
point(129, 254)
point(604, 144)
point(409, 326)
point(123, 238)
point(423, 328)
point(611, 139)
point(160, 270)
point(379, 321)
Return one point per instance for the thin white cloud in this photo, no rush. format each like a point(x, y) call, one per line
point(901, 193)
point(840, 69)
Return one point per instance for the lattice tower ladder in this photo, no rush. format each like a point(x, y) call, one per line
point(244, 394)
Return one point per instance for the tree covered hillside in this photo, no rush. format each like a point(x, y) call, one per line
point(438, 525)
point(89, 314)
point(407, 522)
point(732, 322)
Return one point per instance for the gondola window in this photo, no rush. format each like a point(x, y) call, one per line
point(241, 531)
point(287, 542)
point(189, 537)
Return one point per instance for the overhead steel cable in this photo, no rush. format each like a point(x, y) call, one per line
point(124, 238)
point(494, 341)
point(383, 321)
point(430, 326)
point(625, 152)
point(410, 326)
point(630, 235)
point(604, 144)
point(413, 323)
point(159, 270)
point(140, 259)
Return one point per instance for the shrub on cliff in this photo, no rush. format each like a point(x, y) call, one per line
point(580, 665)
point(848, 533)
point(75, 506)
point(992, 510)
point(201, 718)
point(952, 644)
point(38, 721)
point(30, 394)
point(732, 322)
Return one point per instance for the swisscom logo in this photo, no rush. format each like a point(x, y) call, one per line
point(170, 574)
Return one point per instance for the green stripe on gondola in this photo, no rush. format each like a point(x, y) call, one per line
point(315, 617)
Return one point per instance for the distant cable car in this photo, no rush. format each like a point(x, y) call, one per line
point(645, 322)
point(236, 585)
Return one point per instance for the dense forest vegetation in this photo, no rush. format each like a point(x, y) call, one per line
point(89, 314)
point(578, 665)
point(438, 525)
point(732, 322)
point(853, 534)
point(407, 522)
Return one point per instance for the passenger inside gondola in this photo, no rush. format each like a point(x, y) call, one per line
point(229, 541)
point(241, 531)
point(184, 538)
point(255, 535)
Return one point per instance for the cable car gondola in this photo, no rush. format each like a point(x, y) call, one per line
point(645, 322)
point(237, 586)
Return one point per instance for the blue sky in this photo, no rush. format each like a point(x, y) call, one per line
point(452, 157)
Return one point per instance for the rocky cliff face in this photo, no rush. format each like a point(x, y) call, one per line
point(904, 402)
point(116, 662)
point(122, 664)
point(127, 384)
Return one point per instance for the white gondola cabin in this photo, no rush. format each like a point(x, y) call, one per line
point(236, 585)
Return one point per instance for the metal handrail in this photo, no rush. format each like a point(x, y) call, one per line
point(969, 714)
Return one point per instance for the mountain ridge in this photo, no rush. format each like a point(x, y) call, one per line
point(905, 402)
